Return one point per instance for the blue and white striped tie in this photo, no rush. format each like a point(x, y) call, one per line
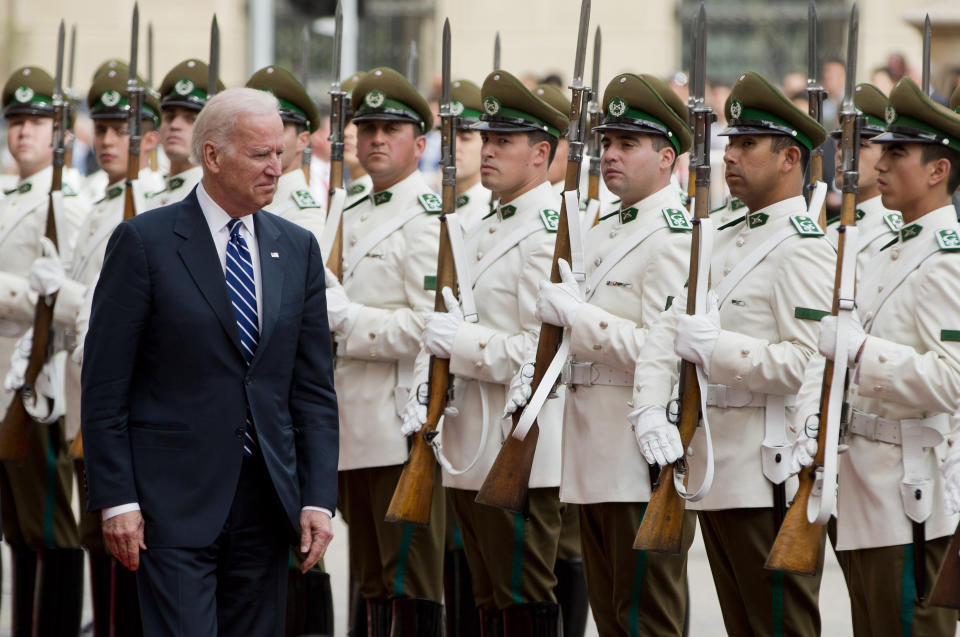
point(243, 295)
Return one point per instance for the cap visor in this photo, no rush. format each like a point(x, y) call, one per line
point(503, 127)
point(890, 137)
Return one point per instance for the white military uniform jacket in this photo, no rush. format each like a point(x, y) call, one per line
point(176, 188)
point(763, 346)
point(294, 201)
point(601, 459)
point(472, 206)
point(909, 369)
point(487, 354)
point(23, 221)
point(374, 365)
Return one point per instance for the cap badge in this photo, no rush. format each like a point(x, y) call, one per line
point(890, 114)
point(736, 108)
point(491, 105)
point(456, 107)
point(183, 87)
point(617, 107)
point(110, 98)
point(374, 99)
point(23, 94)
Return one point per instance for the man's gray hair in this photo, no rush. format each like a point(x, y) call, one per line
point(218, 119)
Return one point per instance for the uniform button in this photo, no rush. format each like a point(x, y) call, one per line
point(878, 388)
point(638, 388)
point(596, 347)
point(894, 255)
point(364, 216)
point(478, 364)
point(879, 288)
point(248, 380)
point(492, 229)
point(613, 233)
point(597, 261)
point(738, 378)
point(479, 256)
point(740, 241)
point(372, 336)
point(882, 358)
point(744, 353)
point(373, 353)
point(726, 271)
point(482, 345)
point(603, 325)
point(353, 241)
point(867, 316)
point(92, 230)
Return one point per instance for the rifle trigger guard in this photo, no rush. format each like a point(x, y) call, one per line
point(673, 411)
point(423, 393)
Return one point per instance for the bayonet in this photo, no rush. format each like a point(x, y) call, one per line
point(150, 54)
point(135, 102)
point(305, 157)
point(412, 63)
point(815, 97)
point(214, 66)
point(496, 51)
point(927, 34)
point(331, 241)
point(593, 138)
point(73, 58)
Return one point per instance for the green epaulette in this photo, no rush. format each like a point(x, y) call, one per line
point(304, 199)
point(430, 202)
point(356, 189)
point(677, 220)
point(806, 226)
point(68, 191)
point(550, 219)
point(948, 239)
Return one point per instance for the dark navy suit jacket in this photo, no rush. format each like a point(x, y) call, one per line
point(165, 384)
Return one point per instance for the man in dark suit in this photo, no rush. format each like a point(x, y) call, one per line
point(209, 413)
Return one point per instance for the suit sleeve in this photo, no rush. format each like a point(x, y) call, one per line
point(313, 401)
point(119, 315)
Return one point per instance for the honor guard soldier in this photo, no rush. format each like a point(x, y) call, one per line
point(635, 260)
point(558, 167)
point(293, 200)
point(390, 240)
point(359, 184)
point(892, 526)
point(473, 200)
point(770, 269)
point(114, 587)
point(38, 519)
point(183, 93)
point(511, 558)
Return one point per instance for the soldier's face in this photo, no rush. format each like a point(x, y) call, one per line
point(29, 138)
point(558, 167)
point(247, 169)
point(469, 144)
point(752, 170)
point(388, 150)
point(632, 168)
point(509, 162)
point(903, 178)
point(176, 129)
point(350, 147)
point(111, 143)
point(294, 143)
point(866, 165)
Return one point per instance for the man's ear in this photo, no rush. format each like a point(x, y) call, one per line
point(939, 171)
point(791, 157)
point(419, 144)
point(149, 140)
point(211, 157)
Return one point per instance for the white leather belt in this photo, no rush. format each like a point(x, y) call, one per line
point(725, 396)
point(873, 427)
point(585, 374)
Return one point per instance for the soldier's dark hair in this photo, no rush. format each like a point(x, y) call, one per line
point(933, 152)
point(534, 137)
point(780, 142)
point(659, 142)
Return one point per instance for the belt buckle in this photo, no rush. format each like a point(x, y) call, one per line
point(586, 379)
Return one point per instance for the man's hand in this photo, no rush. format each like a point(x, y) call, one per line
point(123, 535)
point(316, 531)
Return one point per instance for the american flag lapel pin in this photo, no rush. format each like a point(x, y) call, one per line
point(275, 255)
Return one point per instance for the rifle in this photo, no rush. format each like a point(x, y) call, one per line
point(496, 51)
point(593, 138)
point(796, 548)
point(213, 69)
point(412, 498)
point(927, 36)
point(152, 161)
point(506, 484)
point(661, 528)
point(15, 428)
point(135, 97)
point(334, 245)
point(692, 122)
point(815, 95)
point(68, 94)
point(304, 79)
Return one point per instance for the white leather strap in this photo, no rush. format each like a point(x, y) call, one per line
point(726, 285)
point(330, 226)
point(467, 301)
point(375, 236)
point(105, 230)
point(571, 202)
point(816, 200)
point(535, 404)
point(437, 443)
point(623, 248)
point(590, 214)
point(727, 397)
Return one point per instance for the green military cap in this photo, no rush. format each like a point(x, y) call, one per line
point(107, 98)
point(465, 102)
point(347, 87)
point(955, 100)
point(112, 63)
point(186, 85)
point(29, 91)
point(296, 107)
point(914, 118)
point(555, 98)
point(385, 94)
point(872, 104)
point(756, 107)
point(508, 106)
point(645, 104)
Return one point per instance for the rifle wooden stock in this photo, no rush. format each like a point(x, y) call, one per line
point(76, 447)
point(946, 588)
point(16, 423)
point(507, 482)
point(412, 498)
point(335, 258)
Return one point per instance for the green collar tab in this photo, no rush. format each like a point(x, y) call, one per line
point(507, 211)
point(911, 231)
point(462, 201)
point(757, 219)
point(175, 182)
point(381, 197)
point(114, 192)
point(628, 215)
point(23, 189)
point(859, 214)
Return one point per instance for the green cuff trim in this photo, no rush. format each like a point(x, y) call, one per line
point(950, 335)
point(430, 282)
point(809, 313)
point(766, 116)
point(669, 303)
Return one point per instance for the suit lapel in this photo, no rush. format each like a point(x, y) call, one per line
point(199, 255)
point(271, 277)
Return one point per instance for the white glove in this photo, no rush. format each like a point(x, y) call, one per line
point(697, 334)
point(558, 303)
point(46, 273)
point(18, 362)
point(521, 388)
point(414, 412)
point(659, 439)
point(951, 480)
point(341, 312)
point(440, 328)
point(804, 446)
point(854, 334)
